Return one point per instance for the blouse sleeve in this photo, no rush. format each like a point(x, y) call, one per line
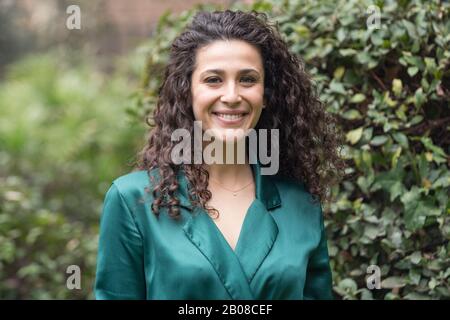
point(120, 263)
point(318, 283)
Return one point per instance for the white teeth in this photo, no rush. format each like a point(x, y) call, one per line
point(230, 116)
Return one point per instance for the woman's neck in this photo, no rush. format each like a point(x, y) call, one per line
point(232, 174)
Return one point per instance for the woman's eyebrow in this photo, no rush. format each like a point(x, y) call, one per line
point(221, 71)
point(249, 70)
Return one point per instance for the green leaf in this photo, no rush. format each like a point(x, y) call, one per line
point(410, 27)
point(371, 231)
point(419, 98)
point(366, 294)
point(414, 61)
point(430, 65)
point(376, 39)
point(351, 114)
point(387, 99)
point(396, 190)
point(357, 98)
point(365, 58)
point(368, 133)
point(414, 214)
point(348, 285)
point(337, 87)
point(397, 87)
point(416, 296)
point(302, 30)
point(31, 270)
point(339, 73)
point(442, 182)
point(395, 157)
point(432, 283)
point(416, 119)
point(353, 136)
point(393, 282)
point(414, 276)
point(378, 140)
point(341, 34)
point(416, 257)
point(348, 52)
point(439, 155)
point(412, 71)
point(364, 183)
point(400, 112)
point(401, 139)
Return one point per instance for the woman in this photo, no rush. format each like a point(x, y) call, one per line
point(194, 229)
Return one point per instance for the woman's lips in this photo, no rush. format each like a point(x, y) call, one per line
point(229, 119)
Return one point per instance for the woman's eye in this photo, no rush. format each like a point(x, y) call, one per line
point(248, 79)
point(212, 80)
point(215, 80)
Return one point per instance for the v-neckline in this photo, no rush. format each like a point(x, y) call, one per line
point(241, 231)
point(251, 248)
point(254, 172)
point(236, 268)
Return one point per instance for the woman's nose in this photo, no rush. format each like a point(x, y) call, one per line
point(231, 94)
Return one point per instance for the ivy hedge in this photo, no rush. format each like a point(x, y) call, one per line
point(384, 68)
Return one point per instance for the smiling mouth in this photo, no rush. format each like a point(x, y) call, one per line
point(230, 117)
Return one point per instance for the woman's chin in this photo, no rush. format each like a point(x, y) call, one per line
point(227, 135)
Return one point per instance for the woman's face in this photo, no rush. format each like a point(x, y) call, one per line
point(227, 86)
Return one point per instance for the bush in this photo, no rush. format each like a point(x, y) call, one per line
point(65, 129)
point(64, 136)
point(389, 87)
point(37, 245)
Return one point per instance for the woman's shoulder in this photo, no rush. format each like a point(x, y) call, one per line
point(131, 179)
point(130, 189)
point(294, 191)
point(132, 184)
point(290, 185)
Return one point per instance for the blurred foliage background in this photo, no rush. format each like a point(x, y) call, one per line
point(64, 135)
point(70, 123)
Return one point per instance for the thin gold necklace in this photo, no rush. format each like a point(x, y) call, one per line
point(234, 192)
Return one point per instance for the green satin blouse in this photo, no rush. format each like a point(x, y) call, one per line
point(281, 251)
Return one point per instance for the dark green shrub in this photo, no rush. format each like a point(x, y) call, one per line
point(64, 127)
point(64, 136)
point(37, 245)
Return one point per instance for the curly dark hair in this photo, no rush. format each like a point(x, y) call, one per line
point(309, 137)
